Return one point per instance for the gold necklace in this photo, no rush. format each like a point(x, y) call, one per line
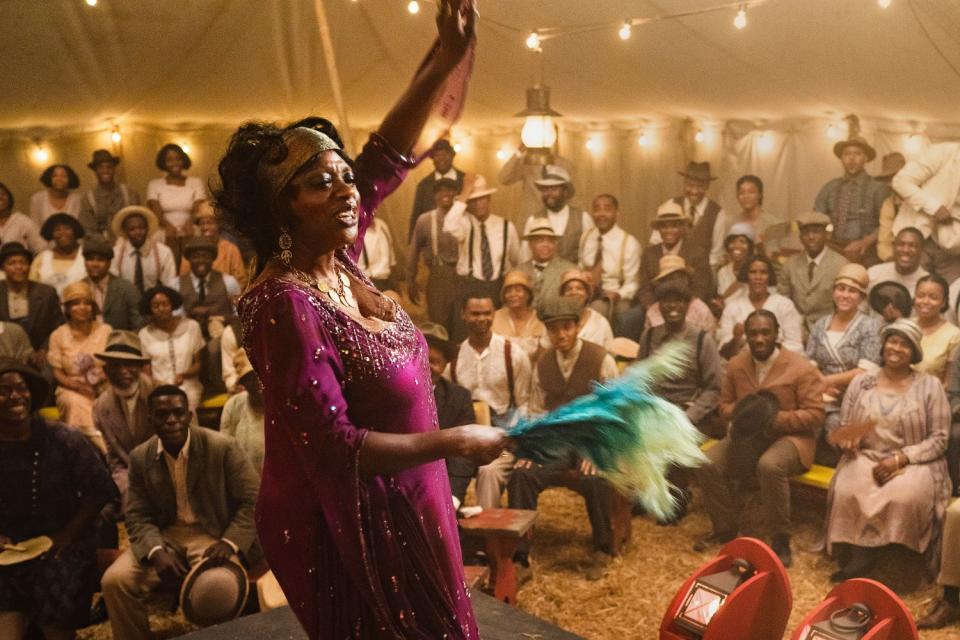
point(337, 294)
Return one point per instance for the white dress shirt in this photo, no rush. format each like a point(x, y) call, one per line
point(459, 223)
point(566, 362)
point(621, 259)
point(377, 257)
point(156, 258)
point(719, 230)
point(484, 374)
point(738, 307)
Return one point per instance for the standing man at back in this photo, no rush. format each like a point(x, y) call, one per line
point(706, 235)
point(568, 221)
point(442, 155)
point(439, 250)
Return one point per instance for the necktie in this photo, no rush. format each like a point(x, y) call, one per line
point(693, 214)
point(138, 271)
point(486, 260)
point(810, 267)
point(597, 271)
point(202, 294)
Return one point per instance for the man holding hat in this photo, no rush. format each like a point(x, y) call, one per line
point(120, 413)
point(672, 226)
point(705, 235)
point(807, 278)
point(442, 154)
point(137, 256)
point(117, 299)
point(544, 268)
point(890, 165)
point(102, 203)
point(853, 202)
point(440, 253)
point(191, 497)
point(32, 305)
point(517, 169)
point(488, 245)
point(568, 221)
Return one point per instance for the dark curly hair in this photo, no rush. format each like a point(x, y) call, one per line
point(755, 181)
point(161, 160)
point(744, 274)
point(73, 180)
point(241, 193)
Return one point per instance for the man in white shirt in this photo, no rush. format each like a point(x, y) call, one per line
point(377, 257)
point(706, 216)
point(612, 256)
point(137, 256)
point(442, 155)
point(568, 221)
point(488, 245)
point(905, 267)
point(496, 372)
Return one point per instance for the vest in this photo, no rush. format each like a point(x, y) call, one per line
point(557, 391)
point(701, 236)
point(568, 246)
point(217, 298)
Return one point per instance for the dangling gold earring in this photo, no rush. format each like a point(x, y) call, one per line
point(286, 243)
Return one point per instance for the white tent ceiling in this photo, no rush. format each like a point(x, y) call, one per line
point(221, 61)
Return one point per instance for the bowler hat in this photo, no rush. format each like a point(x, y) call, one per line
point(38, 386)
point(10, 249)
point(123, 345)
point(214, 592)
point(698, 171)
point(102, 155)
point(61, 218)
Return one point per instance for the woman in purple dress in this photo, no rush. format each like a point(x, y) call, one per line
point(355, 512)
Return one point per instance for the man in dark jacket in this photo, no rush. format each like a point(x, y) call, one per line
point(118, 299)
point(442, 155)
point(32, 305)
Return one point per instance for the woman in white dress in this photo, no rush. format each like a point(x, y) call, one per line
point(63, 262)
point(60, 194)
point(175, 197)
point(173, 342)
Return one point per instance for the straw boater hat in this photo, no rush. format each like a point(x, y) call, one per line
point(200, 243)
point(38, 386)
point(102, 155)
point(134, 210)
point(481, 189)
point(672, 264)
point(46, 231)
point(213, 592)
point(855, 140)
point(514, 278)
point(580, 276)
point(540, 228)
point(908, 329)
point(670, 211)
point(557, 309)
point(123, 345)
point(698, 171)
point(853, 275)
point(552, 175)
point(890, 165)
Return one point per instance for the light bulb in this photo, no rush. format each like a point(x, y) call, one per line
point(503, 153)
point(40, 154)
point(765, 141)
point(741, 20)
point(91, 3)
point(643, 140)
point(533, 40)
point(884, 3)
point(457, 147)
point(186, 148)
point(116, 137)
point(594, 144)
point(538, 132)
point(413, 7)
point(625, 31)
point(701, 136)
point(832, 131)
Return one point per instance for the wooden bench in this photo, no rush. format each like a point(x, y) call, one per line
point(475, 576)
point(621, 514)
point(817, 477)
point(501, 530)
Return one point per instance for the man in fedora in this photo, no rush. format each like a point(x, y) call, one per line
point(568, 221)
point(120, 413)
point(117, 299)
point(853, 202)
point(673, 228)
point(440, 253)
point(612, 256)
point(890, 165)
point(544, 268)
point(930, 188)
point(138, 256)
point(32, 305)
point(488, 245)
point(191, 496)
point(102, 203)
point(518, 169)
point(705, 235)
point(442, 154)
point(807, 278)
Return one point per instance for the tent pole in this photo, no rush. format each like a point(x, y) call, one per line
point(329, 57)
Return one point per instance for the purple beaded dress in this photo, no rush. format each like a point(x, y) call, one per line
point(357, 557)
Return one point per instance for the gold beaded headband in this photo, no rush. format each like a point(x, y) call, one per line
point(302, 145)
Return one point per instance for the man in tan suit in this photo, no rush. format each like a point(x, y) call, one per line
point(807, 278)
point(191, 496)
point(796, 384)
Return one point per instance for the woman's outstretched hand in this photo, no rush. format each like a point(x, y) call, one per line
point(456, 28)
point(480, 443)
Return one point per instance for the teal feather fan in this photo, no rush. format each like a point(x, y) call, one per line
point(629, 434)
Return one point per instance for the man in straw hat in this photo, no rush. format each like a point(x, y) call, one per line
point(488, 245)
point(613, 258)
point(930, 187)
point(191, 497)
point(138, 256)
point(120, 413)
point(102, 203)
point(853, 201)
point(568, 221)
point(807, 278)
point(890, 165)
point(545, 267)
point(673, 227)
point(117, 298)
point(442, 154)
point(703, 212)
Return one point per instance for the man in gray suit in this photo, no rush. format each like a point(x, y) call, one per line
point(191, 496)
point(545, 268)
point(118, 299)
point(807, 278)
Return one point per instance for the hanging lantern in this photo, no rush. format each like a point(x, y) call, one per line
point(539, 132)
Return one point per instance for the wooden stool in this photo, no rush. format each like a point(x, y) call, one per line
point(475, 576)
point(501, 530)
point(621, 513)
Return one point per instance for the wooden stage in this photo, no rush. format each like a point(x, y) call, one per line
point(497, 621)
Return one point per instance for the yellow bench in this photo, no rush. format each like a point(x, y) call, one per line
point(818, 476)
point(50, 413)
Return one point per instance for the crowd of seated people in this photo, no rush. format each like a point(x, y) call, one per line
point(839, 348)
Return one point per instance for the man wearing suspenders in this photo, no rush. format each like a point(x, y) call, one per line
point(102, 203)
